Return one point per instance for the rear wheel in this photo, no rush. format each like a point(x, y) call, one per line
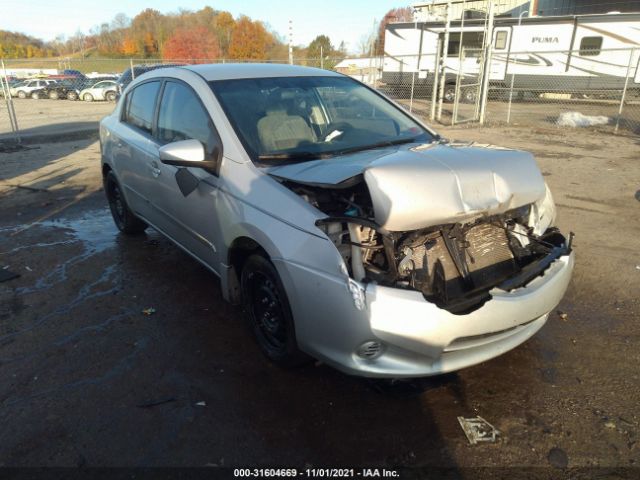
point(72, 96)
point(111, 96)
point(267, 309)
point(122, 215)
point(53, 95)
point(35, 95)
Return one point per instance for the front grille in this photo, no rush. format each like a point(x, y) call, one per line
point(482, 248)
point(489, 257)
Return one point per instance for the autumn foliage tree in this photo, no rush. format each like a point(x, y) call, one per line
point(185, 34)
point(196, 45)
point(249, 40)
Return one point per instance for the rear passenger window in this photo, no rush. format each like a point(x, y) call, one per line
point(182, 117)
point(590, 46)
point(140, 106)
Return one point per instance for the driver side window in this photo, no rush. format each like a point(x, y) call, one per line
point(182, 117)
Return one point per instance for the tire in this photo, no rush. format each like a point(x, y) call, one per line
point(35, 95)
point(111, 96)
point(469, 95)
point(72, 96)
point(22, 94)
point(122, 215)
point(449, 94)
point(87, 97)
point(53, 95)
point(267, 310)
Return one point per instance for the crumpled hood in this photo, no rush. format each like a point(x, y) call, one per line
point(431, 184)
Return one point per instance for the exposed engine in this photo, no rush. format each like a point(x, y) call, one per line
point(454, 265)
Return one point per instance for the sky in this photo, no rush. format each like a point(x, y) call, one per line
point(347, 20)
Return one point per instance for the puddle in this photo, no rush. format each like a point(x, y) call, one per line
point(95, 229)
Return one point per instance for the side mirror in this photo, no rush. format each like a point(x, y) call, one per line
point(187, 153)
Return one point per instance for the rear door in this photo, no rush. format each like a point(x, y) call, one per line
point(136, 167)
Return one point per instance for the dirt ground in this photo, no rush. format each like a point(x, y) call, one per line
point(86, 379)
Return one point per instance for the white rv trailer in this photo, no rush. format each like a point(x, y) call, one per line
point(543, 54)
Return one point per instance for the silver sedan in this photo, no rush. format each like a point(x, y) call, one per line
point(348, 230)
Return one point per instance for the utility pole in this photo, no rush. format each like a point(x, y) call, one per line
point(290, 42)
point(321, 57)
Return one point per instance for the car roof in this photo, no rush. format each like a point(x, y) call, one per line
point(228, 71)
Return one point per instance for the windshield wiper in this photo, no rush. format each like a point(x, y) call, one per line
point(302, 156)
point(291, 156)
point(386, 143)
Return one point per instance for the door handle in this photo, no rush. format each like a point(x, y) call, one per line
point(155, 171)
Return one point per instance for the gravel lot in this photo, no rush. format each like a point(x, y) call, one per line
point(64, 116)
point(86, 379)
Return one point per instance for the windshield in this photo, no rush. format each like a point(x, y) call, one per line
point(298, 118)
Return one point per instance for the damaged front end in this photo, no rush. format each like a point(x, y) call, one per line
point(454, 265)
point(458, 261)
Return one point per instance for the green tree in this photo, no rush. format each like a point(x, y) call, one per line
point(319, 51)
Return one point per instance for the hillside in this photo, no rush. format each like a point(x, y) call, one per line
point(19, 45)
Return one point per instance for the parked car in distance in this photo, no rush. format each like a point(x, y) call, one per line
point(75, 86)
point(27, 87)
point(13, 82)
point(106, 90)
point(53, 91)
point(73, 73)
point(348, 230)
point(127, 76)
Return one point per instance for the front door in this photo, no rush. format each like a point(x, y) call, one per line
point(188, 217)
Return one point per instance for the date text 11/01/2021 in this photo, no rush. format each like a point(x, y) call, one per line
point(316, 472)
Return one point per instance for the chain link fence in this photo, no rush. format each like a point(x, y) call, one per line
point(531, 88)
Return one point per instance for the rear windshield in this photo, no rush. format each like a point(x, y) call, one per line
point(301, 117)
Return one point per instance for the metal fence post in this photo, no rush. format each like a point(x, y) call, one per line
point(525, 12)
point(133, 72)
point(510, 90)
point(445, 53)
point(13, 120)
point(436, 72)
point(486, 71)
point(417, 70)
point(624, 90)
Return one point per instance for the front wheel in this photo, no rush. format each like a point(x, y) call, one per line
point(122, 215)
point(87, 97)
point(267, 310)
point(22, 94)
point(72, 96)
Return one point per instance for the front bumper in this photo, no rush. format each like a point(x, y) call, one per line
point(418, 338)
